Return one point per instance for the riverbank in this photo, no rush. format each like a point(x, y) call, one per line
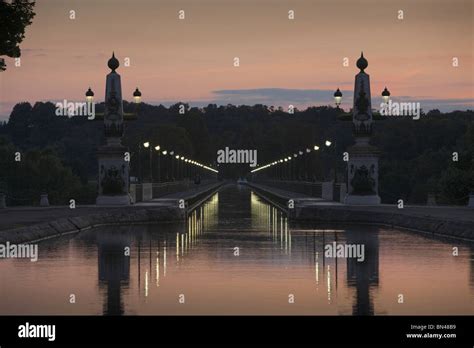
point(457, 222)
point(28, 224)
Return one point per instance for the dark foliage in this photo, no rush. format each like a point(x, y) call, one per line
point(417, 156)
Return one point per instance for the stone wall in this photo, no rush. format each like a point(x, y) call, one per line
point(305, 210)
point(56, 228)
point(433, 225)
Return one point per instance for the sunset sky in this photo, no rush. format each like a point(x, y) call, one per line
point(282, 61)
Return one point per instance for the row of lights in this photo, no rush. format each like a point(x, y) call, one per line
point(178, 157)
point(137, 96)
point(327, 143)
point(338, 96)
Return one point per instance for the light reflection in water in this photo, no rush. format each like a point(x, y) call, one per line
point(277, 258)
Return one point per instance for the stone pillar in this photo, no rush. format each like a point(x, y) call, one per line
point(133, 193)
point(342, 192)
point(327, 192)
point(147, 191)
point(44, 201)
point(113, 180)
point(431, 199)
point(363, 158)
point(471, 200)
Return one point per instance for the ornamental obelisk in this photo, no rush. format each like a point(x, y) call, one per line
point(113, 178)
point(363, 164)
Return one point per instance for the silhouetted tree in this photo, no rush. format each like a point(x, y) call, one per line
point(15, 17)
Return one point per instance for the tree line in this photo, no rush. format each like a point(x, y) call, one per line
point(417, 157)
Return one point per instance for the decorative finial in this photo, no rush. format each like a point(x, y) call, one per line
point(362, 63)
point(113, 63)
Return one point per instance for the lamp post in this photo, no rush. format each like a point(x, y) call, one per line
point(164, 152)
point(137, 96)
point(295, 167)
point(182, 167)
point(171, 154)
point(307, 162)
point(157, 149)
point(89, 96)
point(177, 167)
point(300, 166)
point(386, 95)
point(337, 98)
point(281, 168)
point(328, 144)
point(316, 149)
point(147, 146)
point(140, 173)
point(186, 168)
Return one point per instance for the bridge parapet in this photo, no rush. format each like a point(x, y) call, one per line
point(325, 190)
point(313, 189)
point(148, 191)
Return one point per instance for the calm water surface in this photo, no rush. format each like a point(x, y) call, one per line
point(199, 262)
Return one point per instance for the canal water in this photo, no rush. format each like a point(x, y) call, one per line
point(236, 254)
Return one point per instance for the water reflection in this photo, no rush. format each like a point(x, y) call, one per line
point(114, 268)
point(143, 269)
point(363, 276)
point(471, 257)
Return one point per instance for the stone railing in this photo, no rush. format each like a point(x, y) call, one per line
point(325, 190)
point(148, 191)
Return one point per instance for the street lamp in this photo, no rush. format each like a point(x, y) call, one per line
point(137, 96)
point(316, 148)
point(157, 148)
point(386, 95)
point(338, 97)
point(89, 95)
point(293, 167)
point(147, 146)
point(328, 143)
